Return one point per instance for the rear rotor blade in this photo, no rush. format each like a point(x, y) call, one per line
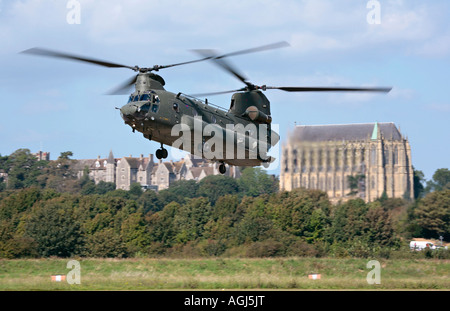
point(217, 93)
point(271, 46)
point(330, 89)
point(211, 54)
point(219, 59)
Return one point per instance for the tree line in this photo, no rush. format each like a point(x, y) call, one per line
point(45, 210)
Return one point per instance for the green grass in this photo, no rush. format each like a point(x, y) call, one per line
point(223, 273)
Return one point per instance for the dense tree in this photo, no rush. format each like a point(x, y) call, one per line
point(433, 214)
point(215, 186)
point(419, 182)
point(190, 220)
point(23, 168)
point(179, 192)
point(254, 181)
point(440, 181)
point(48, 211)
point(55, 230)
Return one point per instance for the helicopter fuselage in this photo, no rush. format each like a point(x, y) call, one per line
point(198, 127)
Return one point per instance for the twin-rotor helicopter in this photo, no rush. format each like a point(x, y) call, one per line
point(242, 134)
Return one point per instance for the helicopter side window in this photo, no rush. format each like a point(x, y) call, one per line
point(194, 112)
point(155, 108)
point(175, 107)
point(213, 119)
point(232, 104)
point(156, 99)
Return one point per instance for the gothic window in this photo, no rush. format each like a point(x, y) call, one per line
point(286, 165)
point(295, 163)
point(373, 155)
point(320, 159)
point(386, 155)
point(372, 185)
point(395, 160)
point(336, 158)
point(345, 159)
point(313, 183)
point(328, 160)
point(302, 161)
point(353, 159)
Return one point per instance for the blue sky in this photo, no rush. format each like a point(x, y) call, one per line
point(59, 105)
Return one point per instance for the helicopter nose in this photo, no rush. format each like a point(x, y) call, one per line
point(128, 111)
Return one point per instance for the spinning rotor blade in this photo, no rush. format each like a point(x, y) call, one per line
point(210, 54)
point(124, 87)
point(329, 89)
point(218, 93)
point(49, 53)
point(272, 46)
point(218, 59)
point(303, 89)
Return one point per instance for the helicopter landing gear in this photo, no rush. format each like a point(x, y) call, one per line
point(222, 168)
point(161, 153)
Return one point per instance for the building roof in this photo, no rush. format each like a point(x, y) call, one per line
point(348, 132)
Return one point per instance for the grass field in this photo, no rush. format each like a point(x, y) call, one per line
point(223, 273)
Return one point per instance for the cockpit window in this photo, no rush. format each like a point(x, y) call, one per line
point(155, 108)
point(144, 97)
point(145, 108)
point(130, 99)
point(136, 98)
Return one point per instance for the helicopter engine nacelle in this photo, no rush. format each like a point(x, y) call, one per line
point(257, 115)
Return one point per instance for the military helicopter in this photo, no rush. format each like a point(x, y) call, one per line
point(242, 133)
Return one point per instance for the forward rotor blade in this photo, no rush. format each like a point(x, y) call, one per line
point(50, 53)
point(123, 88)
point(331, 89)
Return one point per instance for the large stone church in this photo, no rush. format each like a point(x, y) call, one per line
point(143, 170)
point(348, 161)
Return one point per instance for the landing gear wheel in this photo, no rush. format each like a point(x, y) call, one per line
point(222, 168)
point(165, 154)
point(162, 153)
point(159, 154)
